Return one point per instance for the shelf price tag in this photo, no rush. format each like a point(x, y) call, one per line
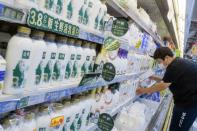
point(57, 121)
point(44, 21)
point(105, 122)
point(23, 102)
point(11, 14)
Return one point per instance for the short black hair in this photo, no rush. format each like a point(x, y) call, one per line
point(162, 52)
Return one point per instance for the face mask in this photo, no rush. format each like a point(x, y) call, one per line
point(161, 66)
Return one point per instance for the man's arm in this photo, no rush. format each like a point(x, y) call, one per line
point(156, 78)
point(157, 87)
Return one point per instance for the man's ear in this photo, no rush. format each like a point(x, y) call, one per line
point(166, 57)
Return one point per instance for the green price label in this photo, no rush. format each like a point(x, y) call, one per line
point(44, 21)
point(120, 27)
point(108, 72)
point(105, 122)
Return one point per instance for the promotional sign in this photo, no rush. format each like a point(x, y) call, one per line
point(108, 72)
point(44, 21)
point(111, 44)
point(105, 122)
point(120, 27)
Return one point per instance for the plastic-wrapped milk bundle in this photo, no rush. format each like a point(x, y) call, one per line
point(137, 113)
point(122, 121)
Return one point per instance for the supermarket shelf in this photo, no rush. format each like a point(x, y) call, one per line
point(10, 102)
point(135, 17)
point(158, 119)
point(114, 111)
point(15, 14)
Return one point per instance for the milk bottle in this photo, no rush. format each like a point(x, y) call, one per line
point(86, 61)
point(19, 59)
point(70, 63)
point(49, 75)
point(76, 72)
point(60, 64)
point(36, 70)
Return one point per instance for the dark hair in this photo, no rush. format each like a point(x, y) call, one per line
point(162, 52)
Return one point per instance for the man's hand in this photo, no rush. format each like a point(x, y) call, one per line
point(141, 91)
point(155, 88)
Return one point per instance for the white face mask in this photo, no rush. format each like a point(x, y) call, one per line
point(161, 66)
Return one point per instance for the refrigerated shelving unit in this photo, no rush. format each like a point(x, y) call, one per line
point(10, 103)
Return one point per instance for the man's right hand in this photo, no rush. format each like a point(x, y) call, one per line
point(141, 91)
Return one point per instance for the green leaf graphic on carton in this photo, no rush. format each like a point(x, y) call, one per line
point(68, 70)
point(59, 6)
point(49, 4)
point(74, 72)
point(96, 22)
point(80, 19)
point(18, 75)
point(90, 68)
point(85, 18)
point(69, 10)
point(72, 127)
point(38, 74)
point(56, 71)
point(47, 72)
point(79, 123)
point(83, 69)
